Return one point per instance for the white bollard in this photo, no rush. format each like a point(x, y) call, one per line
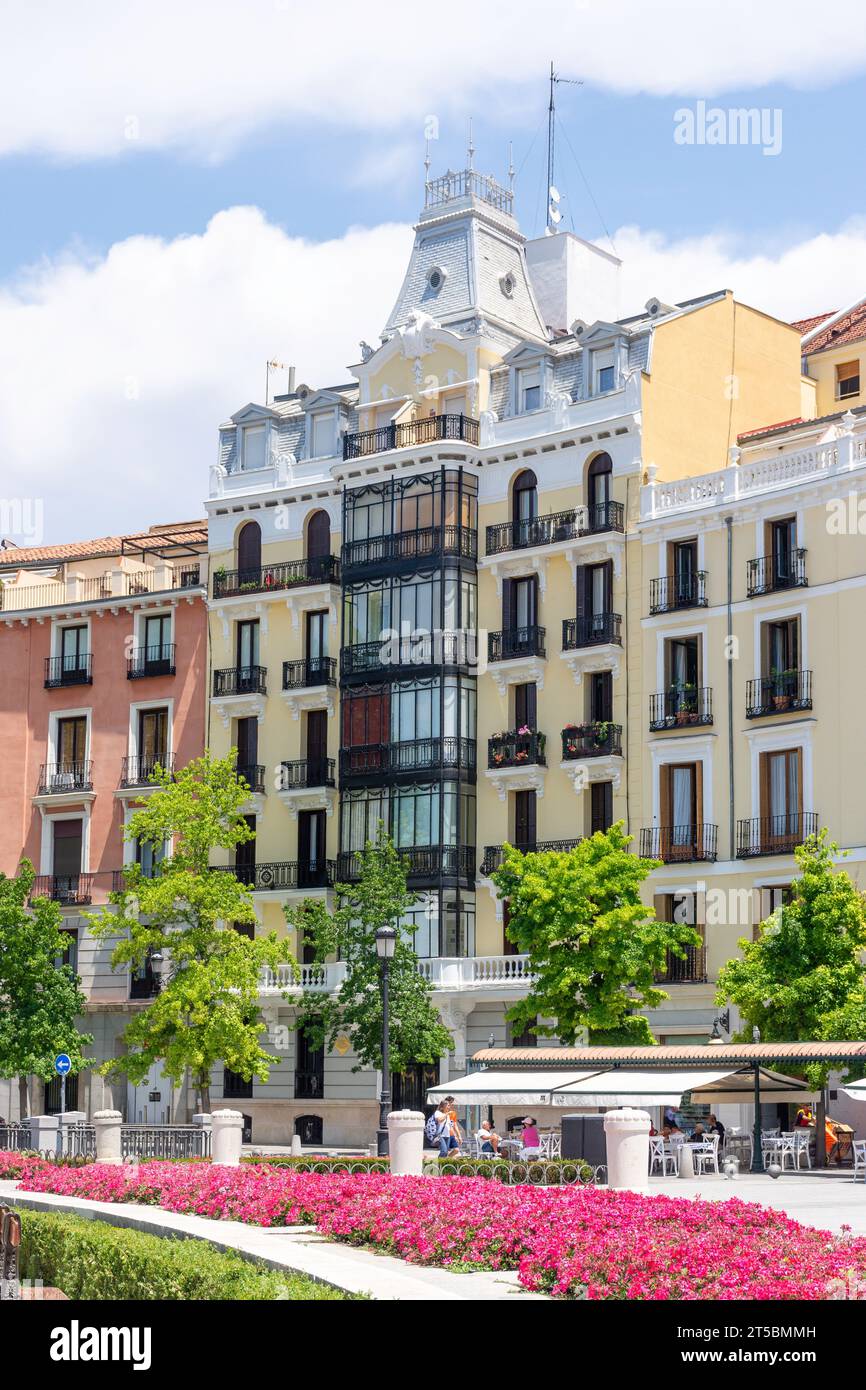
point(406, 1142)
point(627, 1135)
point(297, 1150)
point(687, 1162)
point(228, 1128)
point(107, 1125)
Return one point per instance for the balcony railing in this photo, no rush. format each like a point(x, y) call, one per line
point(679, 844)
point(775, 834)
point(425, 542)
point(680, 707)
point(516, 749)
point(307, 772)
point(68, 670)
point(253, 774)
point(407, 755)
point(515, 642)
point(137, 771)
point(57, 778)
point(768, 573)
point(309, 1085)
point(673, 591)
point(690, 969)
point(443, 973)
point(426, 430)
point(533, 531)
point(303, 675)
point(424, 862)
point(151, 661)
point(240, 680)
point(778, 694)
point(426, 649)
point(494, 855)
point(69, 593)
point(594, 630)
point(144, 985)
point(289, 574)
point(598, 739)
point(316, 873)
point(71, 890)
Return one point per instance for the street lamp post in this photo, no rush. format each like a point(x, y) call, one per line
point(386, 943)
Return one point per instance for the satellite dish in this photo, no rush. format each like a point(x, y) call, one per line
point(555, 214)
point(555, 195)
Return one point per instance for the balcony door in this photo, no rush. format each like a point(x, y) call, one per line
point(783, 542)
point(782, 794)
point(317, 747)
point(68, 839)
point(157, 639)
point(599, 488)
point(594, 601)
point(250, 552)
point(71, 749)
point(684, 567)
point(526, 706)
point(248, 748)
point(245, 855)
point(247, 652)
point(600, 697)
point(309, 1068)
point(73, 650)
point(311, 848)
point(681, 795)
point(152, 740)
point(317, 644)
point(525, 825)
point(522, 611)
point(781, 647)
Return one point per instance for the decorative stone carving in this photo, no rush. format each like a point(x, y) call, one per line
point(416, 338)
point(366, 351)
point(218, 476)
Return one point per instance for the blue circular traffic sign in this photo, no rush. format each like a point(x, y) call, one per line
point(62, 1064)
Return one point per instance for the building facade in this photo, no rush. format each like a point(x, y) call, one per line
point(103, 675)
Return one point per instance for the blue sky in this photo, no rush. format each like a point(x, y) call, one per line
point(190, 190)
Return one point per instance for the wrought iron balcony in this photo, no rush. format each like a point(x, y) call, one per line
point(240, 680)
point(594, 630)
point(58, 778)
point(425, 430)
point(494, 855)
point(775, 834)
point(290, 874)
point(151, 661)
point(679, 844)
point(425, 862)
point(779, 693)
point(681, 707)
point(598, 739)
point(690, 969)
point(515, 642)
point(673, 591)
point(424, 543)
point(307, 772)
point(316, 670)
point(309, 1085)
point(407, 755)
point(557, 526)
point(68, 670)
point(785, 570)
point(409, 653)
point(253, 774)
point(519, 748)
point(71, 890)
point(289, 574)
point(137, 771)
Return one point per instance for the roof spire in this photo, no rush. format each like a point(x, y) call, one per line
point(471, 150)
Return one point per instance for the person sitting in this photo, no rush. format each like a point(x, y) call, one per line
point(699, 1134)
point(530, 1135)
point(716, 1127)
point(488, 1139)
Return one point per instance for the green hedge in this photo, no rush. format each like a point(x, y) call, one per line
point(89, 1259)
point(548, 1172)
point(324, 1163)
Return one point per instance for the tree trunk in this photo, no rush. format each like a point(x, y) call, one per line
point(204, 1094)
point(23, 1098)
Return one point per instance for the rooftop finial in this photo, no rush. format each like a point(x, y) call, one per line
point(471, 150)
point(426, 161)
point(510, 167)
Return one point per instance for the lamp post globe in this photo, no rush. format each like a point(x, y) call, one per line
point(386, 945)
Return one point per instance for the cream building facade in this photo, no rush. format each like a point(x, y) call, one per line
point(483, 591)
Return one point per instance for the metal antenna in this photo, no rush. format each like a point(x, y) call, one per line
point(510, 167)
point(471, 150)
point(554, 216)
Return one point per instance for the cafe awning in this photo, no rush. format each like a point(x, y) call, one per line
point(624, 1087)
point(855, 1090)
point(528, 1088)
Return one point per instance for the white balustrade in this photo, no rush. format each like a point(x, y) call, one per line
point(443, 973)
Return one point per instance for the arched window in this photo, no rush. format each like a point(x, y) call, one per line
point(250, 551)
point(598, 490)
point(318, 536)
point(524, 496)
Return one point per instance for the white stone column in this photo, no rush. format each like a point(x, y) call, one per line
point(297, 1150)
point(107, 1125)
point(627, 1135)
point(227, 1130)
point(406, 1142)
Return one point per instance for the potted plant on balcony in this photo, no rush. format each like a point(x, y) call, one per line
point(685, 702)
point(783, 682)
point(602, 732)
point(571, 741)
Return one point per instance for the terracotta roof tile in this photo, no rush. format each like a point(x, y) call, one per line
point(850, 329)
point(743, 1053)
point(175, 533)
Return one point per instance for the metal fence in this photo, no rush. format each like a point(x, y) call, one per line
point(14, 1137)
point(164, 1141)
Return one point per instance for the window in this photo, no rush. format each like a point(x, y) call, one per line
point(69, 955)
point(847, 380)
point(235, 1086)
point(683, 664)
point(309, 1068)
point(681, 802)
point(525, 822)
point(526, 706)
point(152, 740)
point(767, 899)
point(524, 497)
point(603, 372)
point(250, 551)
point(311, 848)
point(525, 1038)
point(71, 745)
point(309, 1130)
point(68, 839)
point(528, 389)
point(157, 639)
point(601, 806)
point(247, 647)
point(245, 854)
point(255, 445)
point(149, 856)
point(782, 790)
point(73, 649)
point(780, 646)
point(782, 542)
point(319, 536)
point(523, 596)
point(683, 563)
point(600, 697)
point(598, 489)
point(594, 598)
point(323, 435)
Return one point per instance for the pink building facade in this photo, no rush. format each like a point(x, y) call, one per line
point(103, 675)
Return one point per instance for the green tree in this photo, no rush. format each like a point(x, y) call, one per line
point(594, 948)
point(803, 977)
point(207, 1008)
point(40, 997)
point(379, 898)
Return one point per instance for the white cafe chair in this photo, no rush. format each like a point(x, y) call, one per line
point(661, 1156)
point(859, 1147)
point(707, 1153)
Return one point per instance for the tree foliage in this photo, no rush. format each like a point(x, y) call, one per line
point(379, 898)
point(40, 997)
point(594, 948)
point(804, 977)
point(207, 1009)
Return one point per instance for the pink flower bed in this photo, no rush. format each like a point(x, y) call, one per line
point(570, 1242)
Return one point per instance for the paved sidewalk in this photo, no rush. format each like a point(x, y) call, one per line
point(298, 1249)
point(820, 1198)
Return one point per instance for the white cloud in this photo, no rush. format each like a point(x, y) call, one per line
point(87, 78)
point(116, 371)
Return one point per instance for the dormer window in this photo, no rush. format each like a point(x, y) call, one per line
point(507, 285)
point(254, 447)
point(322, 435)
point(603, 372)
point(528, 389)
point(436, 278)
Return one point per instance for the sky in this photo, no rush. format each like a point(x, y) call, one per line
point(190, 189)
